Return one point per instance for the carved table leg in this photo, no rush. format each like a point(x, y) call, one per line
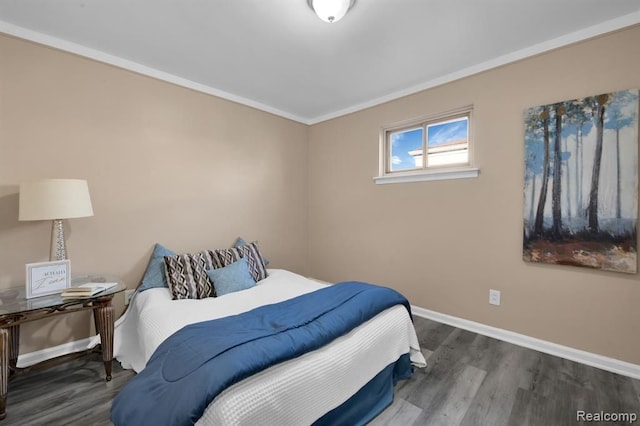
point(14, 345)
point(104, 324)
point(4, 370)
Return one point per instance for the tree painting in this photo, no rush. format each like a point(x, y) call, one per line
point(581, 182)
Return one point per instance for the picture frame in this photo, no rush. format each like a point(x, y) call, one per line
point(45, 278)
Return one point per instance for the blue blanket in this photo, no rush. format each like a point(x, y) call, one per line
point(191, 367)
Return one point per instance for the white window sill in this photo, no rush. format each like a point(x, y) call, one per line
point(427, 175)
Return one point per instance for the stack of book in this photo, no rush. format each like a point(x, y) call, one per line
point(86, 290)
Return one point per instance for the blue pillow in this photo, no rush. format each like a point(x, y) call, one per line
point(241, 242)
point(233, 277)
point(154, 275)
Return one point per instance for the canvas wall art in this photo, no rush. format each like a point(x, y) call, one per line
point(581, 182)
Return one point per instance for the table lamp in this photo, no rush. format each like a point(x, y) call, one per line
point(55, 199)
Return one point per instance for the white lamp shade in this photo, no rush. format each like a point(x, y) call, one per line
point(50, 199)
point(331, 10)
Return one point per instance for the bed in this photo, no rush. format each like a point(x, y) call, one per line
point(322, 386)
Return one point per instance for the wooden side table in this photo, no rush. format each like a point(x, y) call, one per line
point(17, 309)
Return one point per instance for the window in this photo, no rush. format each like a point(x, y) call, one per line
point(446, 140)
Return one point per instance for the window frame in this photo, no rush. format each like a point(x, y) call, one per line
point(426, 172)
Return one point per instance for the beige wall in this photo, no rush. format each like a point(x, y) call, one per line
point(164, 164)
point(445, 243)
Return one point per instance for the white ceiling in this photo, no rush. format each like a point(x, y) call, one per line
point(276, 55)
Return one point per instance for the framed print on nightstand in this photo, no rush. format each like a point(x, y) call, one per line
point(46, 278)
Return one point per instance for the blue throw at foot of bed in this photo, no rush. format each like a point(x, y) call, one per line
point(190, 368)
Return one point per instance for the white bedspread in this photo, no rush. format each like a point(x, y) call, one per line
point(287, 393)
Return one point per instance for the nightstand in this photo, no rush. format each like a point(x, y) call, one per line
point(16, 309)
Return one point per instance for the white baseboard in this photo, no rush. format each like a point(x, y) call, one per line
point(31, 358)
point(577, 355)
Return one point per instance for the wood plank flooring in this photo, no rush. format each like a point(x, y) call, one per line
point(470, 380)
point(475, 380)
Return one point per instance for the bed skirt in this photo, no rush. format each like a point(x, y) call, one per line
point(371, 399)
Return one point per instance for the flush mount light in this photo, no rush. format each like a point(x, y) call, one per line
point(331, 10)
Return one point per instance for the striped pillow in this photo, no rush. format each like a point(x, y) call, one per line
point(251, 252)
point(187, 274)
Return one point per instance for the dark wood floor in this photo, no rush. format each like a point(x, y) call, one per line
point(475, 380)
point(470, 380)
point(73, 393)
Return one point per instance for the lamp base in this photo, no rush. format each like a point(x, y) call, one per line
point(58, 244)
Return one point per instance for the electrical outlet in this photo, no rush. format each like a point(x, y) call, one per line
point(128, 294)
point(494, 297)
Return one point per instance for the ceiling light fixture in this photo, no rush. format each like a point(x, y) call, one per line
point(331, 10)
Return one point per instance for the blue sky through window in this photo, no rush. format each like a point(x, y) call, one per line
point(446, 132)
point(401, 143)
point(404, 141)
